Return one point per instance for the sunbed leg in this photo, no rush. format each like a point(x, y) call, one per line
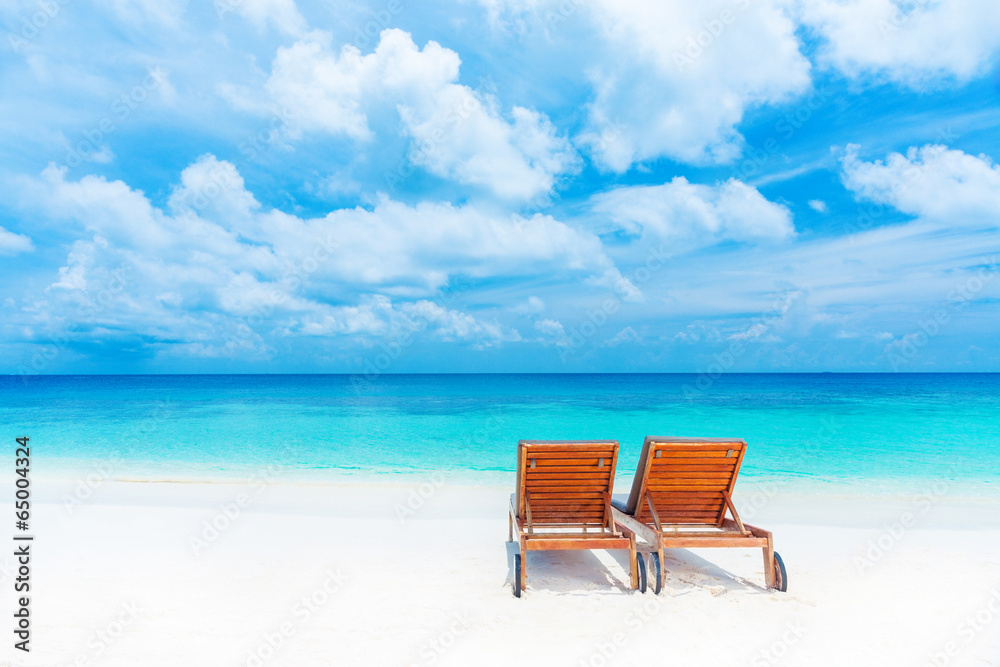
point(633, 562)
point(524, 565)
point(663, 567)
point(510, 527)
point(769, 562)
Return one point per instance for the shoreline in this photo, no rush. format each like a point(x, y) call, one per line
point(933, 504)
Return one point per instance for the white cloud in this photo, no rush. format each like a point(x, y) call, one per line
point(283, 15)
point(215, 260)
point(12, 244)
point(378, 315)
point(818, 205)
point(550, 328)
point(914, 43)
point(933, 182)
point(626, 335)
point(455, 132)
point(674, 79)
point(680, 210)
point(533, 306)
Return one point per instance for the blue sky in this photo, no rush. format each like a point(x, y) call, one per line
point(499, 185)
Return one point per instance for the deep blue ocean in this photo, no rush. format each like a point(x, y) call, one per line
point(878, 431)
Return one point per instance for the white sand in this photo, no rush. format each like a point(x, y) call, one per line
point(333, 576)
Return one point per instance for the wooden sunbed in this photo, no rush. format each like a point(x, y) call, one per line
point(681, 493)
point(563, 501)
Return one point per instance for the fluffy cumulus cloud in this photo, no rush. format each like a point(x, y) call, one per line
point(932, 182)
point(214, 262)
point(683, 211)
point(674, 79)
point(915, 42)
point(456, 132)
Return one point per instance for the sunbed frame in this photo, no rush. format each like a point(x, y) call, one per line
point(563, 501)
point(680, 496)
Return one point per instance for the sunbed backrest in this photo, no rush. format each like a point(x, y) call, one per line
point(566, 481)
point(686, 479)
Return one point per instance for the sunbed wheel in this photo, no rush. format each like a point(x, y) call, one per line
point(780, 576)
point(517, 575)
point(642, 572)
point(656, 572)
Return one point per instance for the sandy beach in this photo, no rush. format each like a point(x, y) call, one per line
point(418, 573)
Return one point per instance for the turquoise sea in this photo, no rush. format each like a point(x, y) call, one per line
point(879, 432)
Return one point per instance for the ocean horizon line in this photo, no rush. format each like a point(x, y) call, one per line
point(491, 373)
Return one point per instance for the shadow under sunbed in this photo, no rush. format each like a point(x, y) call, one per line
point(687, 571)
point(572, 572)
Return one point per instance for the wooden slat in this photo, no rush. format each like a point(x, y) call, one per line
point(567, 484)
point(665, 488)
point(549, 470)
point(672, 542)
point(684, 499)
point(722, 453)
point(665, 511)
point(592, 528)
point(715, 477)
point(683, 485)
point(569, 462)
point(567, 453)
point(550, 495)
point(594, 500)
point(569, 476)
point(689, 466)
point(589, 542)
point(566, 510)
